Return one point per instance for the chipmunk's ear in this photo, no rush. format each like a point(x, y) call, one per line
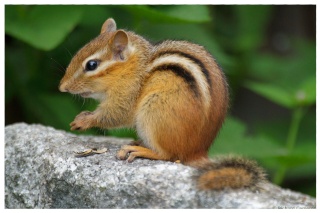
point(120, 44)
point(109, 26)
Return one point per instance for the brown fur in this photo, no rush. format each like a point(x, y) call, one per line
point(169, 109)
point(225, 177)
point(228, 172)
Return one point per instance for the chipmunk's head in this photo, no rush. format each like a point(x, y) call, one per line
point(100, 64)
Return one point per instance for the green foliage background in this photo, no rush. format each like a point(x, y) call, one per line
point(40, 41)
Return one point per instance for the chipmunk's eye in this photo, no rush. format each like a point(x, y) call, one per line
point(92, 65)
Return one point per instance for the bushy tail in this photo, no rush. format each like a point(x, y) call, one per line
point(228, 172)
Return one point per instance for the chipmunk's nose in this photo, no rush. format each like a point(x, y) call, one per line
point(63, 87)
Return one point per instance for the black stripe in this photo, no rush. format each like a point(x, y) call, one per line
point(192, 58)
point(181, 72)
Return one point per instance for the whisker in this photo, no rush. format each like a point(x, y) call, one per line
point(60, 67)
point(69, 52)
point(84, 100)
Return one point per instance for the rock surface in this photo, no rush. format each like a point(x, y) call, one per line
point(41, 171)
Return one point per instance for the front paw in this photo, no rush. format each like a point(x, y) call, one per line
point(82, 121)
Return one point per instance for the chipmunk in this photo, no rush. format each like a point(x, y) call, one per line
point(173, 93)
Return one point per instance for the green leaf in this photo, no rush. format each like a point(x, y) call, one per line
point(101, 14)
point(273, 93)
point(57, 110)
point(303, 95)
point(301, 155)
point(170, 14)
point(252, 20)
point(306, 95)
point(233, 139)
point(41, 26)
point(288, 71)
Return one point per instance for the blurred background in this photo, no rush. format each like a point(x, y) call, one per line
point(267, 52)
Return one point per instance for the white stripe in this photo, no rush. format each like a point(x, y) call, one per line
point(97, 55)
point(79, 72)
point(102, 66)
point(190, 66)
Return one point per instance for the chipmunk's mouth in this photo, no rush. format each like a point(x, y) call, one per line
point(97, 96)
point(85, 94)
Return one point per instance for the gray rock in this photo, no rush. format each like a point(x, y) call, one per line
point(41, 171)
